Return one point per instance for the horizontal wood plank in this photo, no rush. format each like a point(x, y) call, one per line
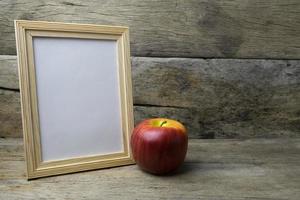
point(10, 114)
point(222, 97)
point(214, 98)
point(260, 169)
point(182, 28)
point(9, 73)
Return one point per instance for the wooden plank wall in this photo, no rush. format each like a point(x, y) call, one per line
point(176, 28)
point(214, 98)
point(226, 69)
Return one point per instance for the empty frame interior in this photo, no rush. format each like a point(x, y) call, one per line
point(76, 96)
point(77, 84)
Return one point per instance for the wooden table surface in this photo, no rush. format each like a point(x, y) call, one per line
point(214, 169)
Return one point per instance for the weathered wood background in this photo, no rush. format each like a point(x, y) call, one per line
point(226, 69)
point(181, 28)
point(255, 169)
point(215, 98)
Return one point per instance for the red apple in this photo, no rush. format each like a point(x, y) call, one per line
point(159, 145)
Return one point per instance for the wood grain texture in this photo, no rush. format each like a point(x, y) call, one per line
point(10, 114)
point(214, 98)
point(259, 169)
point(218, 98)
point(10, 110)
point(9, 73)
point(181, 28)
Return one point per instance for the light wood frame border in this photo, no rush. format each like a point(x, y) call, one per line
point(25, 30)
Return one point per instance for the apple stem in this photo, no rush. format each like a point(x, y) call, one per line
point(164, 122)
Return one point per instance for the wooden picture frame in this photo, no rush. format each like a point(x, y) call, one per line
point(68, 127)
